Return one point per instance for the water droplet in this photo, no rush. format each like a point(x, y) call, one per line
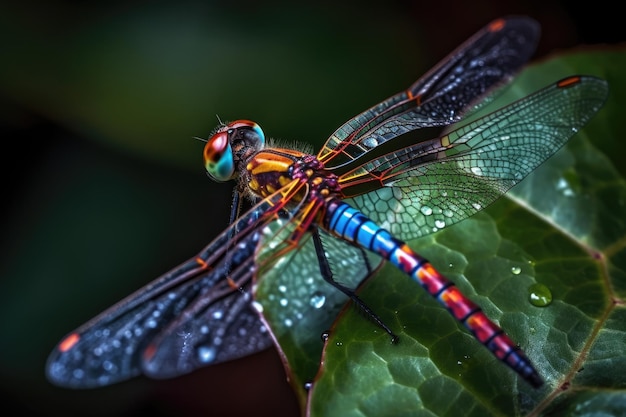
point(476, 170)
point(308, 386)
point(370, 142)
point(563, 186)
point(339, 343)
point(288, 322)
point(317, 299)
point(325, 336)
point(539, 295)
point(464, 363)
point(206, 354)
point(282, 288)
point(440, 224)
point(427, 211)
point(516, 270)
point(257, 306)
point(218, 314)
point(283, 302)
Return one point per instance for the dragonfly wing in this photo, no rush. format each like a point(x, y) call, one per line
point(221, 324)
point(295, 285)
point(437, 183)
point(209, 331)
point(186, 310)
point(486, 60)
point(298, 304)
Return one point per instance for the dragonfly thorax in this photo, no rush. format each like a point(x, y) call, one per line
point(236, 150)
point(271, 169)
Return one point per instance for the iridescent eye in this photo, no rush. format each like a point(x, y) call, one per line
point(249, 132)
point(219, 161)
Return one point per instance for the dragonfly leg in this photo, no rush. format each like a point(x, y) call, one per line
point(235, 209)
point(327, 274)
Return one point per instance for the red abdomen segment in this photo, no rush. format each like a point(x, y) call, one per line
point(350, 224)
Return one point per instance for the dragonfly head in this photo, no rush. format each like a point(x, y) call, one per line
point(227, 150)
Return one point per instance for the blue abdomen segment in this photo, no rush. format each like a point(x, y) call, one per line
point(350, 224)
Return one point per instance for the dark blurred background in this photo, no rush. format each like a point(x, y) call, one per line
point(104, 184)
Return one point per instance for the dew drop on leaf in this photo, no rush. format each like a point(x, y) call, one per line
point(465, 362)
point(539, 295)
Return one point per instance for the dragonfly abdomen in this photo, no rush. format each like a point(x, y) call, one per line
point(350, 224)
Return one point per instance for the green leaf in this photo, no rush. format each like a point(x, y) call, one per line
point(563, 228)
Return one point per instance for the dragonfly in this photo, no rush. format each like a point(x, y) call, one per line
point(402, 169)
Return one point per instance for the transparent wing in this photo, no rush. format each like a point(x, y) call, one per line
point(197, 314)
point(435, 183)
point(302, 296)
point(298, 304)
point(487, 59)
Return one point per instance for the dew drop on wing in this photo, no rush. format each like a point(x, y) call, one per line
point(206, 354)
point(317, 299)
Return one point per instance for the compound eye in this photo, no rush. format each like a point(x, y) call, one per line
point(219, 161)
point(248, 131)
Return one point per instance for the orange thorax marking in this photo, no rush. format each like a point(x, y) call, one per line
point(269, 170)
